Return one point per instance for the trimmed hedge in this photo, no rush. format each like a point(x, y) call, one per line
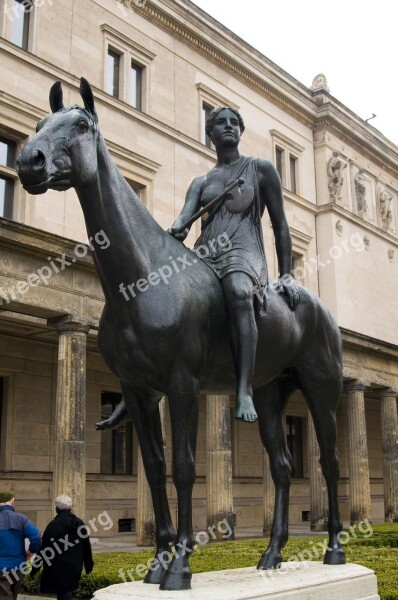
point(378, 552)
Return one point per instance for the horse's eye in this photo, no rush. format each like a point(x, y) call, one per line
point(83, 125)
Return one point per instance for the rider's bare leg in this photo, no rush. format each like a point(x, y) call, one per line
point(238, 291)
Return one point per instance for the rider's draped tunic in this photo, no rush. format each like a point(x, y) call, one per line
point(245, 249)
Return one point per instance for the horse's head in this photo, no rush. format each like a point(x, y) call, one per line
point(62, 153)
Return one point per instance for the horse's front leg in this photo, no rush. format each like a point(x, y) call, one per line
point(146, 418)
point(270, 402)
point(184, 412)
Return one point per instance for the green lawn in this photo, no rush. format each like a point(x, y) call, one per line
point(375, 548)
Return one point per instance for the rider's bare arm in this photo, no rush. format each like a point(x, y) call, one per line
point(191, 206)
point(272, 196)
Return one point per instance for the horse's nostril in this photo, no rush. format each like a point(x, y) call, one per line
point(38, 160)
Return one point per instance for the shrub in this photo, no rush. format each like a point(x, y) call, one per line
point(378, 552)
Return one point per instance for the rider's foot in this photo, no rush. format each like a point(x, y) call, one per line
point(245, 410)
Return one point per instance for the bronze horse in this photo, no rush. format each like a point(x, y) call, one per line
point(171, 338)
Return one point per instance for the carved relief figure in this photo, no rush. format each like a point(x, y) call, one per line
point(360, 193)
point(336, 166)
point(385, 208)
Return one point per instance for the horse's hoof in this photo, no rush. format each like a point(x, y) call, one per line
point(179, 580)
point(270, 561)
point(155, 576)
point(334, 556)
point(101, 426)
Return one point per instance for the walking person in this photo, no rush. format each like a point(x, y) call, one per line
point(67, 535)
point(15, 528)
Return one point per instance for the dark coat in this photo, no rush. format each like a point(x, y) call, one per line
point(63, 574)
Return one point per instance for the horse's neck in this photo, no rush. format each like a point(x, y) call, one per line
point(136, 242)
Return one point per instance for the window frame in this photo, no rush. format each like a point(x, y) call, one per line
point(8, 172)
point(6, 25)
point(290, 152)
point(130, 53)
point(126, 429)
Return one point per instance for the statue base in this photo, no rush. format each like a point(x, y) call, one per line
point(293, 581)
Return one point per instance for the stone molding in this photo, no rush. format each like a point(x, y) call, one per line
point(355, 386)
point(70, 324)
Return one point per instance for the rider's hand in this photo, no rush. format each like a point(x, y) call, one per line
point(291, 290)
point(179, 235)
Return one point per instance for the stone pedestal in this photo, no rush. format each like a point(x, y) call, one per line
point(389, 437)
point(360, 503)
point(69, 471)
point(219, 463)
point(318, 489)
point(294, 581)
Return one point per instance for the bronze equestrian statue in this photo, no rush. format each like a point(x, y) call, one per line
point(172, 338)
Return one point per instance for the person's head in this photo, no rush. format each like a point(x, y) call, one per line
point(7, 497)
point(63, 502)
point(224, 113)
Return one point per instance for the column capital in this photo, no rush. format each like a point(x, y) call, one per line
point(70, 324)
point(355, 385)
point(387, 392)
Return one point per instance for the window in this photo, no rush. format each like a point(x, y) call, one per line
point(21, 10)
point(116, 444)
point(113, 73)
point(279, 162)
point(293, 176)
point(7, 175)
point(287, 153)
point(294, 438)
point(126, 68)
point(136, 86)
point(206, 112)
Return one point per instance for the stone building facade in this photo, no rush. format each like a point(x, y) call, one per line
point(157, 67)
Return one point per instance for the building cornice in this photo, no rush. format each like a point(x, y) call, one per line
point(383, 154)
point(341, 211)
point(364, 342)
point(267, 82)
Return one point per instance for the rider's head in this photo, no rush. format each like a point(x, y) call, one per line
point(216, 112)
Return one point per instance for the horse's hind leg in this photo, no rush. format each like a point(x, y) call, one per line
point(146, 418)
point(270, 402)
point(322, 392)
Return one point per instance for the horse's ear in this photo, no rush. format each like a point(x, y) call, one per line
point(56, 97)
point(88, 97)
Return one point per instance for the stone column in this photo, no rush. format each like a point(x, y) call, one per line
point(145, 523)
point(69, 470)
point(219, 463)
point(389, 437)
point(318, 489)
point(360, 503)
point(268, 496)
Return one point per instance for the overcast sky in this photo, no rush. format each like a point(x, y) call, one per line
point(353, 42)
